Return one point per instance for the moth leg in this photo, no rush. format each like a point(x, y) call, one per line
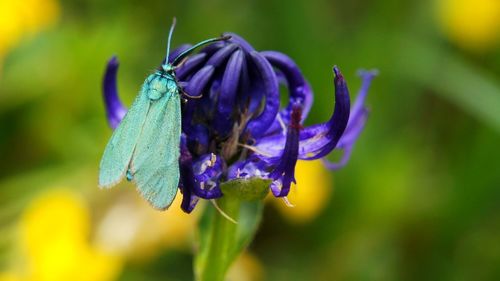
point(181, 85)
point(189, 96)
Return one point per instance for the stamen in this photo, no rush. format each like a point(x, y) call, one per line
point(254, 149)
point(287, 202)
point(222, 212)
point(282, 124)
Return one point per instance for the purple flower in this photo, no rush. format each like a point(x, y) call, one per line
point(233, 126)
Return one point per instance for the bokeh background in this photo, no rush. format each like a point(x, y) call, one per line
point(419, 200)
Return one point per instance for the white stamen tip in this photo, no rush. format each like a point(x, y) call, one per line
point(288, 203)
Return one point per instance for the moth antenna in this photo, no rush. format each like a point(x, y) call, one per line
point(204, 42)
point(172, 27)
point(181, 63)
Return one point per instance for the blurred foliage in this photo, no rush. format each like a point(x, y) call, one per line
point(420, 199)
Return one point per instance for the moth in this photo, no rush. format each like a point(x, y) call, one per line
point(145, 147)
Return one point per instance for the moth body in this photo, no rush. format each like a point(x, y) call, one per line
point(160, 84)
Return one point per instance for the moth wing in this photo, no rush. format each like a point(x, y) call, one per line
point(155, 163)
point(120, 148)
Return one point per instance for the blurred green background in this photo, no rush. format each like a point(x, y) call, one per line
point(419, 200)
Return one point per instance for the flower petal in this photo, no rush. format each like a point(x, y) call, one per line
point(359, 109)
point(189, 200)
point(221, 55)
point(192, 63)
point(258, 125)
point(240, 41)
point(214, 47)
point(284, 173)
point(198, 139)
point(319, 140)
point(249, 168)
point(357, 120)
point(199, 81)
point(115, 110)
point(177, 51)
point(223, 122)
point(299, 89)
point(208, 168)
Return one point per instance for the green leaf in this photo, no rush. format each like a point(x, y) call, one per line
point(248, 190)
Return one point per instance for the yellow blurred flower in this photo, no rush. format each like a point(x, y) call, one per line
point(131, 227)
point(54, 237)
point(246, 268)
point(19, 18)
point(9, 276)
point(472, 24)
point(310, 195)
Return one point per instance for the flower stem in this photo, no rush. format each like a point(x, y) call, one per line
point(221, 241)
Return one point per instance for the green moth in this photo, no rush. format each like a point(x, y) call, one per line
point(145, 145)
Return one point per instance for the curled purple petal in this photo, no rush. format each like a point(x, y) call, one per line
point(187, 182)
point(190, 186)
point(208, 168)
point(244, 94)
point(177, 51)
point(191, 64)
point(198, 139)
point(272, 145)
point(284, 173)
point(240, 41)
point(251, 92)
point(258, 125)
point(214, 47)
point(354, 128)
point(319, 140)
point(298, 87)
point(341, 163)
point(228, 90)
point(249, 168)
point(115, 110)
point(221, 55)
point(189, 200)
point(199, 81)
point(358, 107)
point(357, 120)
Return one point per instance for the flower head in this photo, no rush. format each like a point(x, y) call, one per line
point(233, 126)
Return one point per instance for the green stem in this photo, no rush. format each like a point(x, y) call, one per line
point(221, 241)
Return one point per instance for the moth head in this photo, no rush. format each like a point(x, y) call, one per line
point(168, 68)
